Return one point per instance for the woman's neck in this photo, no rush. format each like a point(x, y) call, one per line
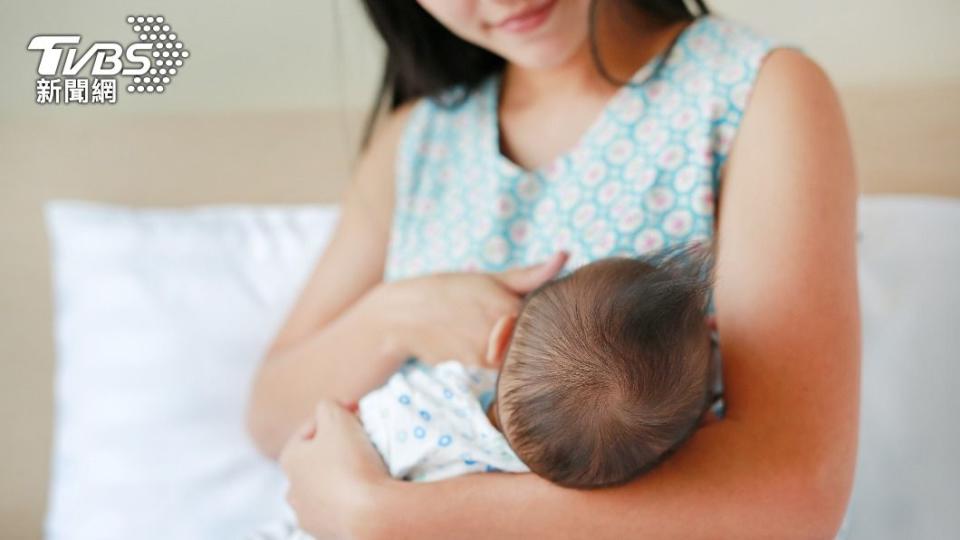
point(629, 40)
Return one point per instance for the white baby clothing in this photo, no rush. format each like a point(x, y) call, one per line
point(430, 422)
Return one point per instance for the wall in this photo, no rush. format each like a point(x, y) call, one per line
point(293, 54)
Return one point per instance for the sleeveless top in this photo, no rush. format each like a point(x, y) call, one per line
point(645, 175)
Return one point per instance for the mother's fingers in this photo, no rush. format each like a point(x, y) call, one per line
point(307, 430)
point(324, 411)
point(296, 445)
point(527, 278)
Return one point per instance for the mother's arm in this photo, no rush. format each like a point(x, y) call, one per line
point(333, 342)
point(781, 463)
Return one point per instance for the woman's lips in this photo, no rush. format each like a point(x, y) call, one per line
point(527, 20)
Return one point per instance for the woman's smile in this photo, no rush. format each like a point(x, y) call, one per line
point(526, 20)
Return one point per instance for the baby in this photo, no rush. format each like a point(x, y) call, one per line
point(604, 372)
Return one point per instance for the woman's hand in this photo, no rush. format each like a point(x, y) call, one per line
point(333, 472)
point(450, 315)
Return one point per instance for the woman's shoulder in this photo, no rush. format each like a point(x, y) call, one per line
point(729, 47)
point(794, 105)
point(453, 107)
point(752, 58)
point(734, 35)
point(763, 54)
point(456, 117)
point(790, 81)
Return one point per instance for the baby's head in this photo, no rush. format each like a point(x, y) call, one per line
point(607, 370)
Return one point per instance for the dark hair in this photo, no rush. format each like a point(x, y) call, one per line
point(608, 370)
point(424, 58)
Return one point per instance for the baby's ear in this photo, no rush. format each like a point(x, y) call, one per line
point(499, 339)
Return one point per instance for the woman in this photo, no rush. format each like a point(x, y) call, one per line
point(512, 135)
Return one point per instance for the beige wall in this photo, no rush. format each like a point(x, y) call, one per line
point(286, 54)
point(865, 42)
point(258, 115)
point(245, 55)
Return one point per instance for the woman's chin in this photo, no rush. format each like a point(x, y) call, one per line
point(540, 56)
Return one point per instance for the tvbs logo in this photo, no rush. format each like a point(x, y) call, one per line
point(151, 63)
point(107, 57)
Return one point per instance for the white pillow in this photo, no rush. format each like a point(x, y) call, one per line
point(162, 316)
point(909, 452)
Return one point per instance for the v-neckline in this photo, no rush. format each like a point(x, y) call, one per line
point(642, 76)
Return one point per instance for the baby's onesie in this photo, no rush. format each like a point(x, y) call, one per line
point(430, 422)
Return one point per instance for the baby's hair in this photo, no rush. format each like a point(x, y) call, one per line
point(608, 369)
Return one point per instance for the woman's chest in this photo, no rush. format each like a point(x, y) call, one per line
point(535, 135)
point(629, 189)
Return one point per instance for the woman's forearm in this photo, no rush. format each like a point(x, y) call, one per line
point(342, 361)
point(723, 484)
